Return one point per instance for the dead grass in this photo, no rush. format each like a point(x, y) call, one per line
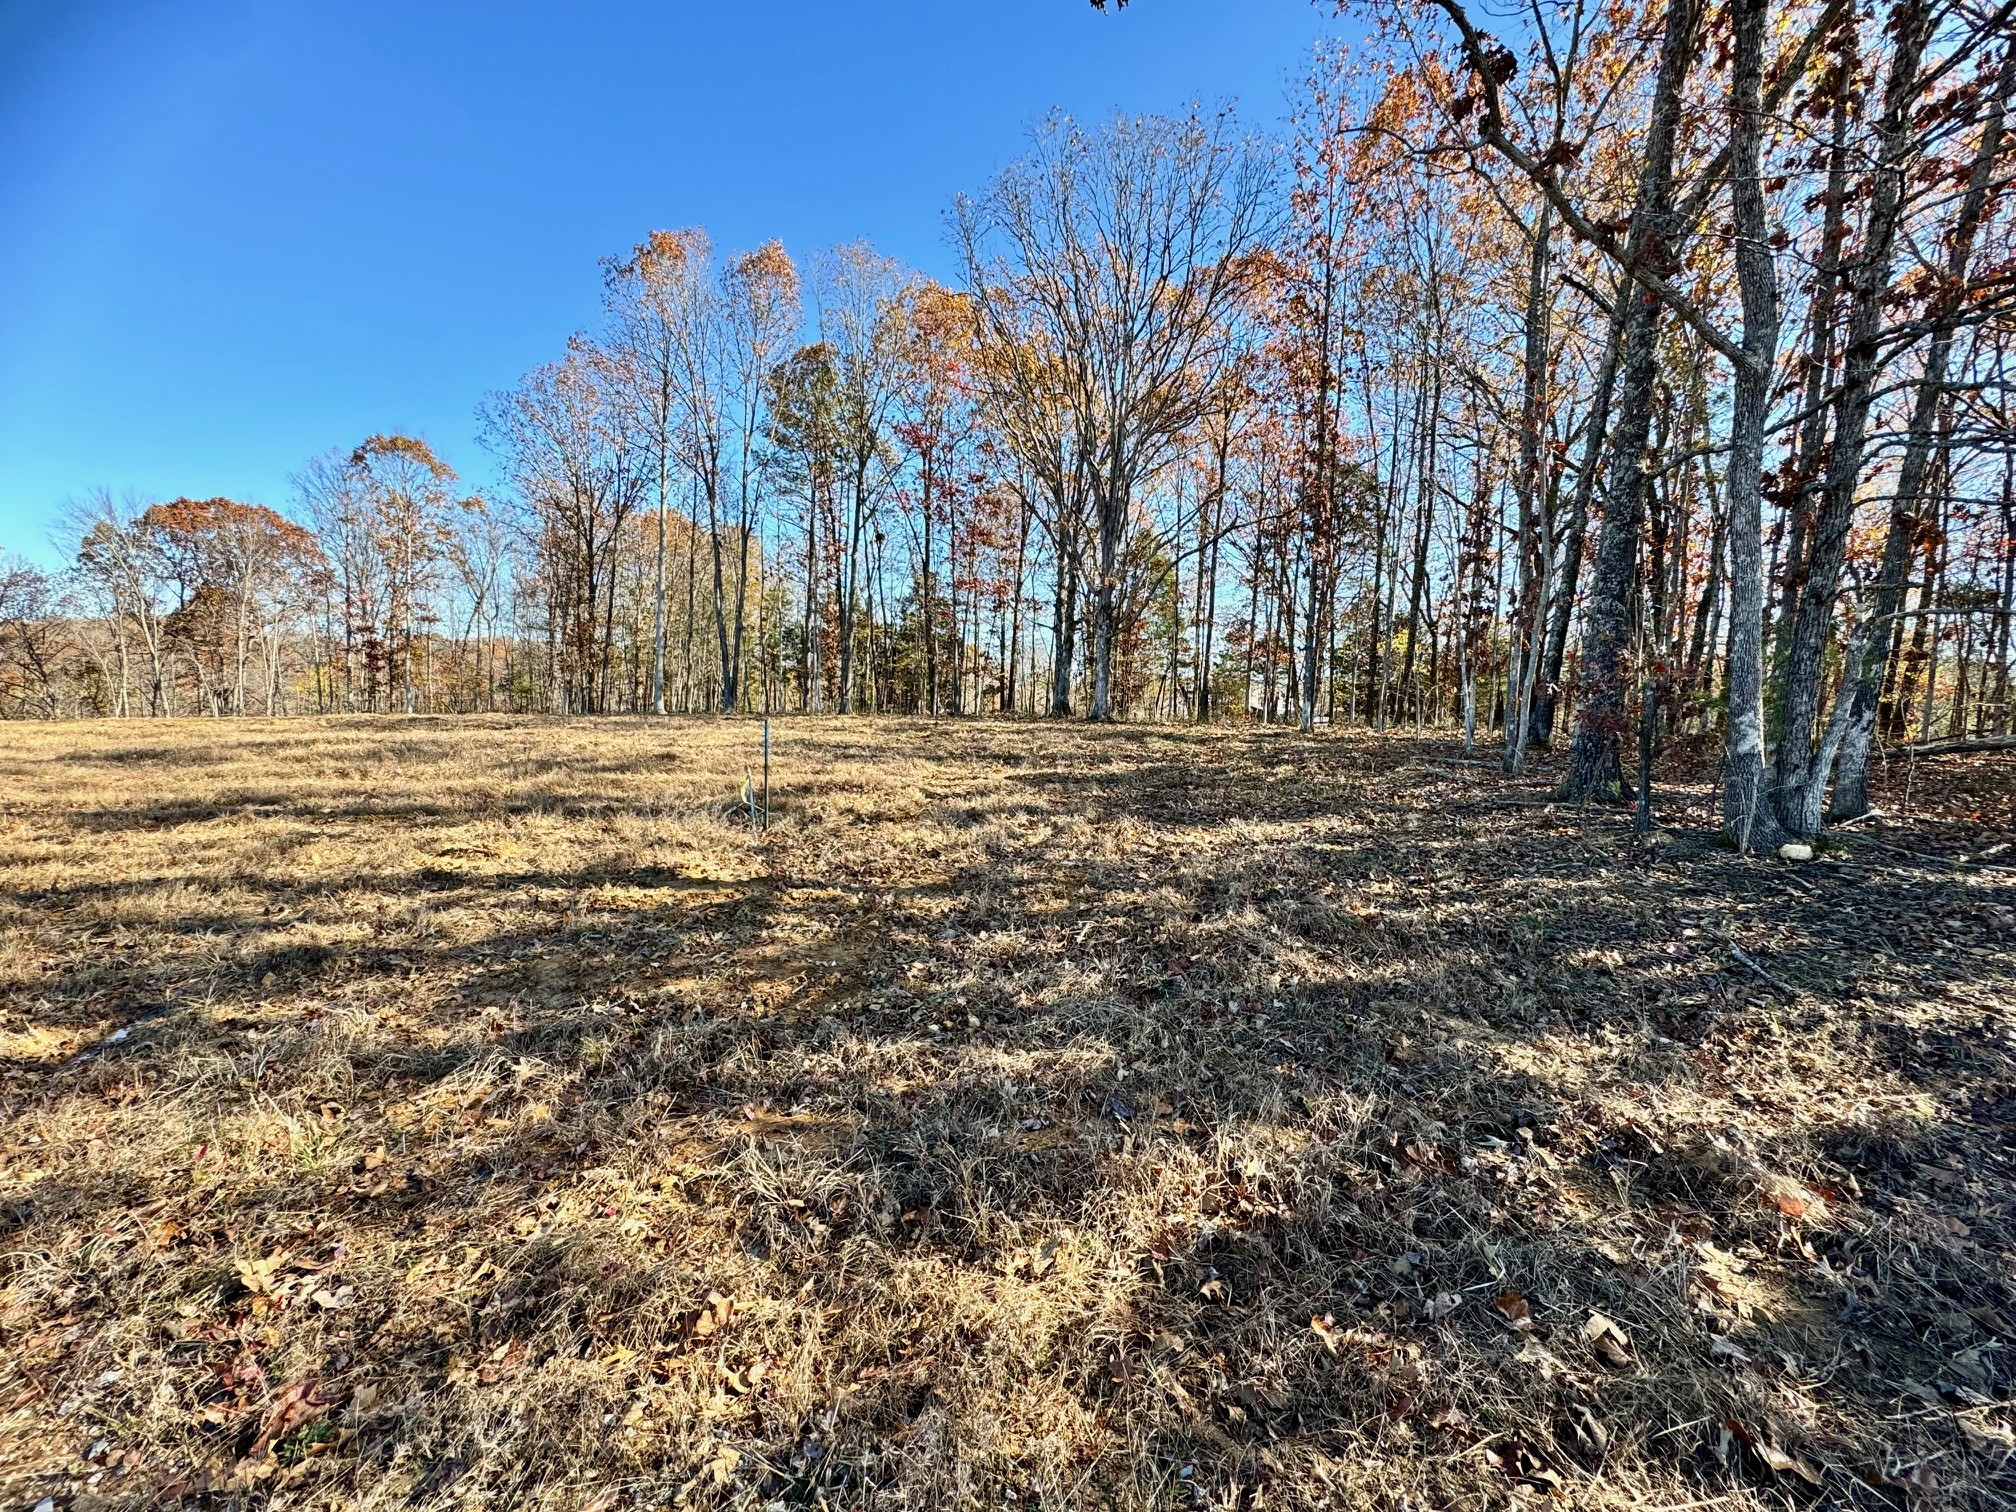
point(428, 1112)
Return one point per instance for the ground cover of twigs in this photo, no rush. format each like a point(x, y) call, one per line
point(475, 1112)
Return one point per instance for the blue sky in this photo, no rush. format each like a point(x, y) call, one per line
point(236, 234)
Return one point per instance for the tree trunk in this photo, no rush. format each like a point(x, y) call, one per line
point(1802, 774)
point(1575, 536)
point(1105, 602)
point(849, 586)
point(1064, 649)
point(1535, 550)
point(1746, 816)
point(1595, 760)
point(1595, 756)
point(658, 599)
point(1851, 787)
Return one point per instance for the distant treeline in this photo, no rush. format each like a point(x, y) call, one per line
point(1639, 375)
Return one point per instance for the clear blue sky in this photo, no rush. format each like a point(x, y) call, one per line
point(235, 233)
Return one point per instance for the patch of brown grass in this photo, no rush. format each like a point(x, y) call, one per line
point(411, 1112)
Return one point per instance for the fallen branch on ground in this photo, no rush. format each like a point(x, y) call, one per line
point(1962, 747)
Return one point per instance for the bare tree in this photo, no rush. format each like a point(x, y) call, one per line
point(1121, 255)
point(859, 295)
point(31, 640)
point(569, 445)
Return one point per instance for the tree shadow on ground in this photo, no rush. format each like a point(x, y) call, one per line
point(1121, 1137)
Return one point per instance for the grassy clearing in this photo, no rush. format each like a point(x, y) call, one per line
point(416, 1112)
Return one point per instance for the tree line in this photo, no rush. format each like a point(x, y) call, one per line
point(1627, 378)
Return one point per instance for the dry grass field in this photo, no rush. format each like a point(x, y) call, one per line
point(424, 1113)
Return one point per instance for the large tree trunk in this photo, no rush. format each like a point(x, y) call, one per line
point(1595, 768)
point(1575, 535)
point(1424, 491)
point(1535, 549)
point(930, 606)
point(692, 608)
point(1065, 639)
point(849, 584)
point(1851, 786)
point(1809, 453)
point(658, 601)
point(1311, 670)
point(1105, 600)
point(1746, 816)
point(1803, 770)
point(1011, 671)
point(727, 685)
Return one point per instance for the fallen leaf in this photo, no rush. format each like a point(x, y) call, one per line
point(1515, 1310)
point(714, 1316)
point(1769, 1455)
point(297, 1405)
point(1782, 1463)
point(1607, 1339)
point(1584, 1436)
point(723, 1465)
point(257, 1275)
point(1042, 1258)
point(163, 1234)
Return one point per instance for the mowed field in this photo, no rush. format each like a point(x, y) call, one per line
point(475, 1112)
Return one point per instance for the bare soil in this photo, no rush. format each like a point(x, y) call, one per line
point(477, 1112)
